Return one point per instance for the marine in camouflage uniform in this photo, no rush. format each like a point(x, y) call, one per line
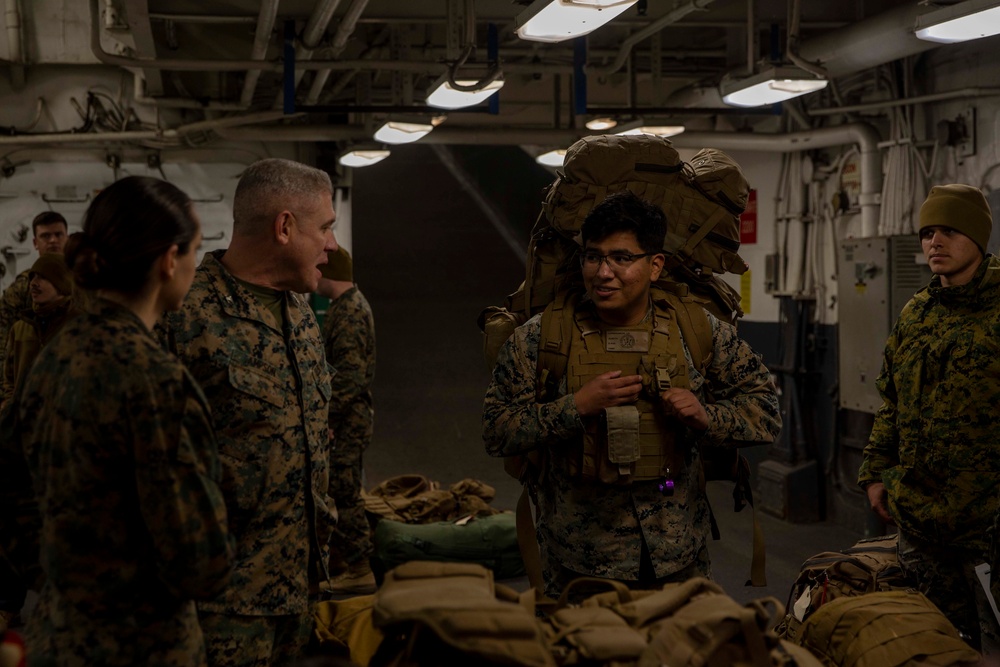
point(618, 531)
point(269, 388)
point(118, 438)
point(349, 337)
point(14, 301)
point(931, 463)
point(48, 236)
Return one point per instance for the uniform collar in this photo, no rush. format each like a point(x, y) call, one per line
point(237, 301)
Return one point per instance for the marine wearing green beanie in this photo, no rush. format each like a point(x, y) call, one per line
point(961, 207)
point(339, 266)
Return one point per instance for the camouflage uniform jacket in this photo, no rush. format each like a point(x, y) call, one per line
point(598, 529)
point(118, 439)
point(934, 443)
point(349, 336)
point(269, 391)
point(14, 301)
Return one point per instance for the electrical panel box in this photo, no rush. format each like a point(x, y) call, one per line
point(876, 277)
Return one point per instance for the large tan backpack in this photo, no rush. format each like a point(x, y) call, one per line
point(871, 565)
point(702, 201)
point(885, 629)
point(451, 614)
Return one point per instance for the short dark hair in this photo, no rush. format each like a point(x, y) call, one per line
point(127, 227)
point(626, 212)
point(268, 186)
point(47, 218)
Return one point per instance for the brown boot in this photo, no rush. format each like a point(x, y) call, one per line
point(358, 579)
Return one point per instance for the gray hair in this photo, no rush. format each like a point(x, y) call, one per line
point(269, 186)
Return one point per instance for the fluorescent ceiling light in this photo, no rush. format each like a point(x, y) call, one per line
point(601, 123)
point(558, 20)
point(770, 86)
point(960, 22)
point(396, 132)
point(638, 127)
point(443, 96)
point(363, 157)
point(552, 158)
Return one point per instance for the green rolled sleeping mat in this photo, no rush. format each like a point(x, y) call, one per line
point(490, 541)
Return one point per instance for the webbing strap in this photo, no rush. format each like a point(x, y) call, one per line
point(527, 541)
point(706, 227)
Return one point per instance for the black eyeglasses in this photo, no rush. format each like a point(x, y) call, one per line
point(617, 261)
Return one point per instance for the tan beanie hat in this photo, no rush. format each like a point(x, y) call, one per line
point(53, 268)
point(338, 266)
point(961, 207)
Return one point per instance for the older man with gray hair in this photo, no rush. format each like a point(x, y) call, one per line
point(250, 339)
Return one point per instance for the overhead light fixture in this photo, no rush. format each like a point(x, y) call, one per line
point(960, 22)
point(601, 123)
point(552, 158)
point(640, 127)
point(361, 157)
point(444, 96)
point(770, 86)
point(399, 132)
point(559, 20)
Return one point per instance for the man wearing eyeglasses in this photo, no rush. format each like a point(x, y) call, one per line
point(620, 494)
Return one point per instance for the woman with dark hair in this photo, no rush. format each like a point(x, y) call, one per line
point(121, 450)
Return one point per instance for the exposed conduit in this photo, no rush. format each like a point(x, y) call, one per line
point(15, 44)
point(963, 93)
point(142, 135)
point(261, 38)
point(344, 31)
point(313, 33)
point(673, 16)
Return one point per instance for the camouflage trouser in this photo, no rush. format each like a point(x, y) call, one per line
point(946, 575)
point(254, 641)
point(351, 539)
point(557, 578)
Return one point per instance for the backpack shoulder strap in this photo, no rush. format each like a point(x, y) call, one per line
point(695, 327)
point(558, 322)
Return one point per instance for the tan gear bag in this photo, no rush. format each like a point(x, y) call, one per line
point(885, 629)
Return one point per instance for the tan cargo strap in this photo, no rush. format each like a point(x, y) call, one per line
point(527, 541)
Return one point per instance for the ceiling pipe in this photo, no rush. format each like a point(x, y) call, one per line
point(792, 43)
point(673, 16)
point(875, 41)
point(200, 18)
point(15, 44)
point(139, 97)
point(344, 31)
point(261, 38)
point(141, 135)
point(962, 93)
point(313, 33)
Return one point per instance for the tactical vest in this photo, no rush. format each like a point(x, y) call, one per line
point(629, 442)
